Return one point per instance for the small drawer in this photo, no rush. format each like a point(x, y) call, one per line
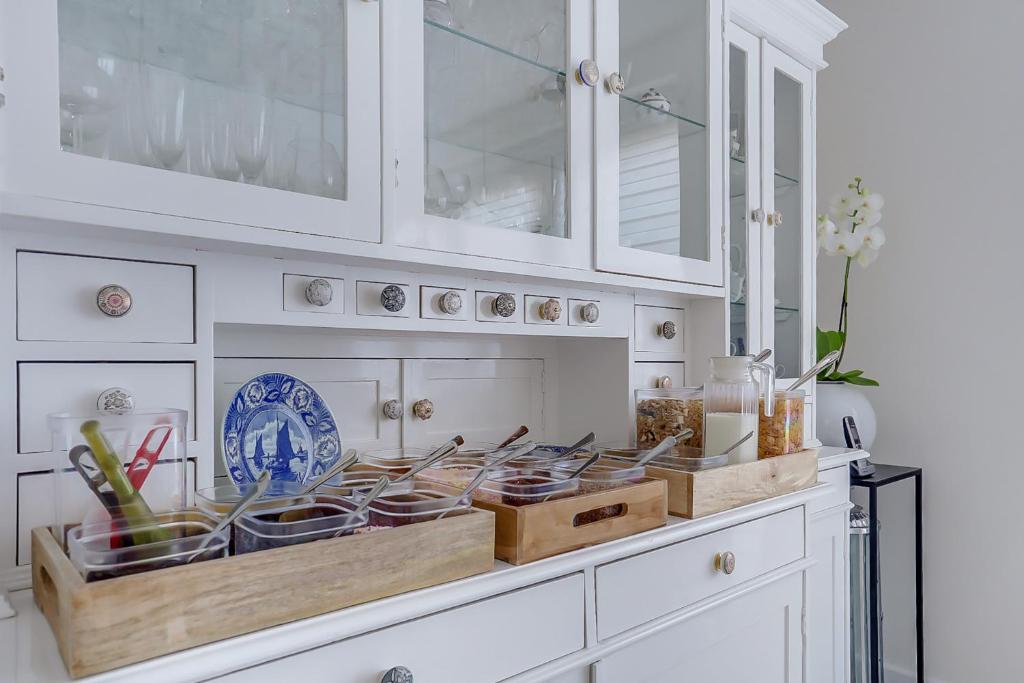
point(314, 294)
point(57, 300)
point(442, 303)
point(372, 299)
point(537, 625)
point(584, 313)
point(839, 478)
point(659, 329)
point(491, 307)
point(536, 307)
point(638, 589)
point(45, 388)
point(651, 375)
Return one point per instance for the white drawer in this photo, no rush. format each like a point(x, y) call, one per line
point(57, 299)
point(638, 589)
point(483, 642)
point(368, 299)
point(485, 308)
point(839, 477)
point(650, 375)
point(35, 500)
point(575, 312)
point(45, 388)
point(651, 333)
point(532, 309)
point(430, 303)
point(295, 294)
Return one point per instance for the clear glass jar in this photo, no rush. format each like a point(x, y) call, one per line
point(667, 412)
point(782, 432)
point(731, 405)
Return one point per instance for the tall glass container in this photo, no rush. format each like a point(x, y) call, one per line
point(731, 398)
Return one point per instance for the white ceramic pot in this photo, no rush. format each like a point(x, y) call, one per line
point(836, 400)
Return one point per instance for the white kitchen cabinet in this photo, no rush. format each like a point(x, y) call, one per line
point(754, 637)
point(828, 645)
point(249, 113)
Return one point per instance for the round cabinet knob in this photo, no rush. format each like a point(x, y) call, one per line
point(115, 401)
point(615, 83)
point(725, 562)
point(319, 292)
point(423, 409)
point(450, 302)
point(663, 382)
point(392, 298)
point(590, 313)
point(587, 73)
point(775, 219)
point(551, 310)
point(757, 215)
point(399, 674)
point(667, 329)
point(504, 305)
point(114, 300)
point(393, 409)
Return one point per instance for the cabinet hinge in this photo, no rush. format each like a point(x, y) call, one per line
point(396, 169)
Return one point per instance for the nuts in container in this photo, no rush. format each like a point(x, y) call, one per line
point(783, 432)
point(666, 412)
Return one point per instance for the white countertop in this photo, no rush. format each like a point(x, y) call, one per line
point(28, 650)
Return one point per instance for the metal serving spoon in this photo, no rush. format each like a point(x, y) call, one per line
point(514, 436)
point(350, 458)
point(825, 362)
point(370, 496)
point(440, 453)
point(245, 501)
point(730, 449)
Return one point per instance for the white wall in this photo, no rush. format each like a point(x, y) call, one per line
point(924, 99)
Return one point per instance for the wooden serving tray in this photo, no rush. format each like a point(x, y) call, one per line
point(115, 622)
point(532, 532)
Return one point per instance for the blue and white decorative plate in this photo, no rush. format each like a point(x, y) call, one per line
point(279, 423)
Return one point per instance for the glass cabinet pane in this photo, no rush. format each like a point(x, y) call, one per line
point(738, 282)
point(663, 146)
point(788, 230)
point(496, 116)
point(241, 90)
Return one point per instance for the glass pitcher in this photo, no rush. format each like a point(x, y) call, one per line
point(731, 399)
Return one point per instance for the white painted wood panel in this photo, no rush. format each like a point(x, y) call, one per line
point(486, 641)
point(639, 589)
point(45, 388)
point(648, 375)
point(828, 596)
point(839, 478)
point(648, 322)
point(57, 299)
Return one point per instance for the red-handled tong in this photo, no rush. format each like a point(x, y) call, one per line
point(147, 456)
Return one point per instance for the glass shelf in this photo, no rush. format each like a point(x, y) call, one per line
point(740, 306)
point(490, 46)
point(647, 113)
point(737, 179)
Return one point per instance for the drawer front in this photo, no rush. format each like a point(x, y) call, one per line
point(647, 375)
point(45, 388)
point(483, 642)
point(330, 299)
point(652, 333)
point(485, 308)
point(534, 306)
point(435, 306)
point(578, 312)
point(35, 500)
point(369, 299)
point(839, 478)
point(57, 300)
point(638, 589)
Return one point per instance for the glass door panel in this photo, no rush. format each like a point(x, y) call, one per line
point(739, 274)
point(244, 91)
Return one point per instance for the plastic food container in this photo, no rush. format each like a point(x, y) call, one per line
point(525, 486)
point(325, 517)
point(783, 432)
point(425, 501)
point(102, 551)
point(394, 461)
point(666, 412)
point(352, 482)
point(602, 475)
point(680, 458)
point(219, 500)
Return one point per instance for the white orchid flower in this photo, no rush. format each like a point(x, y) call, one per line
point(874, 238)
point(850, 243)
point(866, 257)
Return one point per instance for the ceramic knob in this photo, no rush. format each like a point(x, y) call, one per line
point(392, 298)
point(757, 215)
point(725, 562)
point(504, 305)
point(663, 382)
point(590, 313)
point(450, 302)
point(667, 329)
point(393, 409)
point(775, 218)
point(116, 401)
point(423, 409)
point(587, 73)
point(114, 300)
point(399, 674)
point(319, 292)
point(615, 83)
point(551, 310)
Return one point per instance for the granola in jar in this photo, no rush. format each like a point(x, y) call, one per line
point(782, 433)
point(666, 412)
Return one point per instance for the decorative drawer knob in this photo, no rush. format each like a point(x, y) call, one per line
point(399, 674)
point(551, 310)
point(667, 329)
point(393, 409)
point(115, 401)
point(423, 409)
point(319, 292)
point(590, 313)
point(392, 298)
point(615, 83)
point(587, 73)
point(450, 302)
point(725, 562)
point(114, 300)
point(504, 305)
point(757, 215)
point(663, 382)
point(775, 218)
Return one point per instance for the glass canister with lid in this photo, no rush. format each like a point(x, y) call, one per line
point(666, 412)
point(732, 405)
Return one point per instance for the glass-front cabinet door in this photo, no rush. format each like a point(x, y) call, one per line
point(252, 112)
point(658, 143)
point(490, 125)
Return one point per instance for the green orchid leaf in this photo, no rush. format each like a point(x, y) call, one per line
point(861, 381)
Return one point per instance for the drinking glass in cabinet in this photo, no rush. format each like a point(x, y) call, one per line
point(496, 120)
point(239, 90)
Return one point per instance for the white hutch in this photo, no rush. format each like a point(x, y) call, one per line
point(442, 170)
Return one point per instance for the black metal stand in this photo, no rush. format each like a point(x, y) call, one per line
point(884, 475)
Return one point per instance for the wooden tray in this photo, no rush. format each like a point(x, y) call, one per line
point(111, 623)
point(705, 492)
point(532, 532)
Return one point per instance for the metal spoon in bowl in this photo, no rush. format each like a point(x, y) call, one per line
point(514, 436)
point(763, 356)
point(667, 444)
point(245, 501)
point(578, 446)
point(350, 458)
point(825, 362)
point(730, 449)
point(370, 496)
point(440, 453)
